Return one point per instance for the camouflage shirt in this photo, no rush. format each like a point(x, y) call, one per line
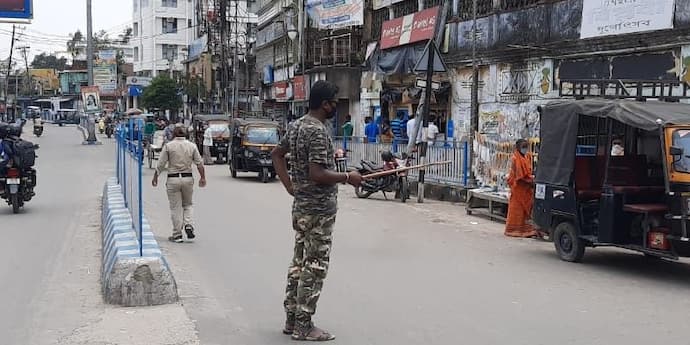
point(308, 141)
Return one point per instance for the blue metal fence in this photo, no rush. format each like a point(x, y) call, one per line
point(130, 161)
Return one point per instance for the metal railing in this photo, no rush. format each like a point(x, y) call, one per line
point(130, 161)
point(455, 174)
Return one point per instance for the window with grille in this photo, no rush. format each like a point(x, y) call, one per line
point(169, 25)
point(431, 3)
point(341, 47)
point(315, 52)
point(484, 7)
point(518, 4)
point(404, 8)
point(136, 53)
point(169, 51)
point(379, 16)
point(169, 3)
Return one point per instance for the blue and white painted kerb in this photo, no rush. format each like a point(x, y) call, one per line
point(130, 279)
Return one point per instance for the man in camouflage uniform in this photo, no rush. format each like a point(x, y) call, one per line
point(314, 185)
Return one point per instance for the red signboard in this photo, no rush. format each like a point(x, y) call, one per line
point(411, 28)
point(280, 90)
point(299, 91)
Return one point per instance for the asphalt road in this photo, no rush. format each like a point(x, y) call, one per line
point(36, 242)
point(400, 274)
point(411, 274)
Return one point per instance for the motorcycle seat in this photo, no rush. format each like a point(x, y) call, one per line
point(371, 165)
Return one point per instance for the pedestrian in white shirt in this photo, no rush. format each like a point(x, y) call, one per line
point(208, 143)
point(410, 130)
point(432, 132)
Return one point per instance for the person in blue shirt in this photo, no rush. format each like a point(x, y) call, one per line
point(371, 130)
point(398, 128)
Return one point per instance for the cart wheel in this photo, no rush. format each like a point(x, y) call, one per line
point(569, 246)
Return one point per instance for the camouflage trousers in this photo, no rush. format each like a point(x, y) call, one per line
point(309, 265)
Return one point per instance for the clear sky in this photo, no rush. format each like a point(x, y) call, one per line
point(54, 20)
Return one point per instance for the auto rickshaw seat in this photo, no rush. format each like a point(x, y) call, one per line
point(628, 175)
point(584, 177)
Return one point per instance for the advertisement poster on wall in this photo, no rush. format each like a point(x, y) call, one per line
point(616, 17)
point(16, 9)
point(90, 97)
point(333, 14)
point(105, 72)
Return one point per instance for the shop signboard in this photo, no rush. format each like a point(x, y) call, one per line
point(299, 88)
point(140, 81)
point(411, 28)
point(333, 14)
point(616, 17)
point(280, 90)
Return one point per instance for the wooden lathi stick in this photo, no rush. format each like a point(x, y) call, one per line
point(390, 172)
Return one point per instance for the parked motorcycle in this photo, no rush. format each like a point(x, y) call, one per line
point(395, 182)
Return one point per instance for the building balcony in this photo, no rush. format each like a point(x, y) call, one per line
point(339, 50)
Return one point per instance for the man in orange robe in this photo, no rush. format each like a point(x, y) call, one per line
point(521, 182)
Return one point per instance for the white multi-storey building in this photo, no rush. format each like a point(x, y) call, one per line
point(162, 31)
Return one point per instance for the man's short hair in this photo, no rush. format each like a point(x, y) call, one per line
point(321, 91)
point(180, 132)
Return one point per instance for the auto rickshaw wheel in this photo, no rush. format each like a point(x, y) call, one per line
point(264, 175)
point(568, 245)
point(233, 172)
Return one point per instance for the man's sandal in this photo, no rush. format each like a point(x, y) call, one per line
point(314, 334)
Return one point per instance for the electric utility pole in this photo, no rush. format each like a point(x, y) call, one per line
point(24, 53)
point(474, 109)
point(223, 57)
point(9, 70)
point(89, 42)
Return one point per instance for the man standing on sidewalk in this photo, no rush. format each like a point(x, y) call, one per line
point(315, 188)
point(177, 158)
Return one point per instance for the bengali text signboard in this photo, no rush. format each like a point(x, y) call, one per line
point(16, 9)
point(411, 28)
point(615, 17)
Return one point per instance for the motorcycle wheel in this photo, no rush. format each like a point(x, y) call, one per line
point(362, 194)
point(14, 200)
point(404, 189)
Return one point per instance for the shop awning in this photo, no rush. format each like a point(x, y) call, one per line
point(399, 60)
point(48, 100)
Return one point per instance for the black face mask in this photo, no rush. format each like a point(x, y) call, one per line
point(333, 112)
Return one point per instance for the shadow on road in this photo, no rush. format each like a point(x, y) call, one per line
point(629, 265)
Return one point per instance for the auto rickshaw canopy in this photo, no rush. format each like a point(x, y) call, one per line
point(560, 123)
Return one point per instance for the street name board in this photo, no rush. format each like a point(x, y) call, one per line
point(141, 81)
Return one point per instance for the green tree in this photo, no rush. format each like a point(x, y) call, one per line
point(49, 61)
point(162, 95)
point(75, 43)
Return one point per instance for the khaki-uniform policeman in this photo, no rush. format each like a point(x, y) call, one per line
point(177, 158)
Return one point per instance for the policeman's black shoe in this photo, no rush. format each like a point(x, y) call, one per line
point(190, 231)
point(176, 239)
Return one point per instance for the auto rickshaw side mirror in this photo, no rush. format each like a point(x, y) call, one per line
point(676, 151)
